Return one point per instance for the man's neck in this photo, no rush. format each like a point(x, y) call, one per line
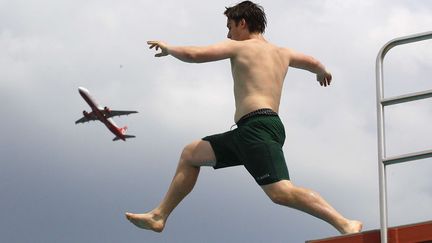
point(254, 36)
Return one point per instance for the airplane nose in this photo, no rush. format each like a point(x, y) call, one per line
point(82, 89)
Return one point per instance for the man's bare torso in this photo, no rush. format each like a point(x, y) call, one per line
point(258, 70)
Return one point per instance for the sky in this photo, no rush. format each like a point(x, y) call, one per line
point(61, 182)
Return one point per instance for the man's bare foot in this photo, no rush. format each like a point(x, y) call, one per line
point(352, 227)
point(147, 221)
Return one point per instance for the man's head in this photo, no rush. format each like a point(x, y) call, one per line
point(247, 13)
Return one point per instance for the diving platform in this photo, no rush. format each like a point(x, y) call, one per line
point(412, 233)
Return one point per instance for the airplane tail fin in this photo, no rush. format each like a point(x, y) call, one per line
point(123, 132)
point(126, 137)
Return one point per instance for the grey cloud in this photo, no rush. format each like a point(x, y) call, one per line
point(76, 183)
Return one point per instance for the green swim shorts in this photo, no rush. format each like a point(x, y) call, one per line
point(256, 143)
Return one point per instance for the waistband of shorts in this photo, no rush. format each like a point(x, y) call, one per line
point(256, 113)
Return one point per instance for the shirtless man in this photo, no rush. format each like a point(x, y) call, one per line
point(258, 68)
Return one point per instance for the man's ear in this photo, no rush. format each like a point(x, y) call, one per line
point(243, 24)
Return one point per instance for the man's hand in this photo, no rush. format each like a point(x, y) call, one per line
point(159, 44)
point(325, 78)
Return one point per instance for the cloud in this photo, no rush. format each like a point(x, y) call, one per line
point(51, 167)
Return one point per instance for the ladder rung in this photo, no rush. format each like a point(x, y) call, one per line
point(407, 98)
point(408, 157)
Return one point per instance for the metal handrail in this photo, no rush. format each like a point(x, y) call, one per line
point(381, 103)
point(407, 157)
point(407, 98)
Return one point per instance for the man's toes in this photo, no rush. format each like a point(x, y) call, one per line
point(129, 216)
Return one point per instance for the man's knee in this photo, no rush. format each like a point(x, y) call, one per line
point(281, 193)
point(187, 153)
point(198, 153)
point(281, 198)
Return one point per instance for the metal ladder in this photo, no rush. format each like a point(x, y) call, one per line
point(382, 102)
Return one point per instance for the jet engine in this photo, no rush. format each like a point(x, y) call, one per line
point(86, 114)
point(107, 110)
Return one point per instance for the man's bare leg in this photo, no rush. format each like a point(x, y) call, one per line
point(285, 193)
point(194, 155)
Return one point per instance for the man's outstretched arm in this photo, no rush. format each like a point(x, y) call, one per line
point(302, 61)
point(196, 54)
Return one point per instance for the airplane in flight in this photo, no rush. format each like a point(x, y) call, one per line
point(103, 115)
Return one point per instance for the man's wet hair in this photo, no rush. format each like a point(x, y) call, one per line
point(252, 13)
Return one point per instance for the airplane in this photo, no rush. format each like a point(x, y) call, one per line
point(103, 115)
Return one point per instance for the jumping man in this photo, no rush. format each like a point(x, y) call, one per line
point(258, 69)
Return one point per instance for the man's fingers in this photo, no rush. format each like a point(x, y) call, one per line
point(160, 54)
point(158, 45)
point(152, 44)
point(324, 82)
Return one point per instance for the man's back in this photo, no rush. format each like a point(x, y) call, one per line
point(258, 70)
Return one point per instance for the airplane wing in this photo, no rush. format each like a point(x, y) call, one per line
point(90, 117)
point(117, 113)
